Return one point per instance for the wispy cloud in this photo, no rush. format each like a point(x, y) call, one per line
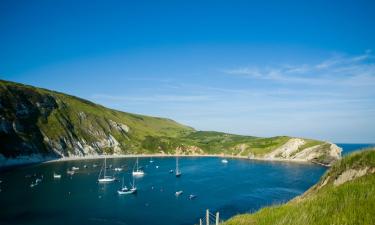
point(153, 98)
point(315, 100)
point(356, 70)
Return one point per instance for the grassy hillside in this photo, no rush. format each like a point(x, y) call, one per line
point(35, 120)
point(38, 113)
point(329, 201)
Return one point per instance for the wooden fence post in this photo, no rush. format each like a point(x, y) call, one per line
point(207, 217)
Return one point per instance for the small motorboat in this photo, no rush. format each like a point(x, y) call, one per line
point(118, 169)
point(178, 193)
point(94, 165)
point(37, 181)
point(85, 166)
point(225, 161)
point(70, 172)
point(56, 176)
point(171, 171)
point(192, 197)
point(75, 168)
point(157, 167)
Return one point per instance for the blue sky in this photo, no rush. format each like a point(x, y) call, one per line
point(260, 68)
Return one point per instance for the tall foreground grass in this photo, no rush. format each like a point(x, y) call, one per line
point(350, 203)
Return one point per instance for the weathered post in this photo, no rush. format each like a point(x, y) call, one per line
point(207, 217)
point(217, 218)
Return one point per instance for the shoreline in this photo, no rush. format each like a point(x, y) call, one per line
point(65, 159)
point(8, 163)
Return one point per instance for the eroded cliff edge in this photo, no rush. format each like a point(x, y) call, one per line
point(38, 124)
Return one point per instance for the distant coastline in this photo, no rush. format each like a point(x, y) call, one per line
point(185, 156)
point(34, 159)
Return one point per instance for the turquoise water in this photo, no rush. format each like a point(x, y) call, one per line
point(240, 186)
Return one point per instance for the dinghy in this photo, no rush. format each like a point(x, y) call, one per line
point(56, 176)
point(192, 197)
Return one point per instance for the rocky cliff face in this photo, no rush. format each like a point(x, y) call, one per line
point(323, 153)
point(37, 123)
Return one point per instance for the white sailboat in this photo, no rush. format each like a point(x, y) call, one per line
point(178, 172)
point(105, 178)
point(125, 191)
point(137, 172)
point(225, 161)
point(151, 160)
point(56, 176)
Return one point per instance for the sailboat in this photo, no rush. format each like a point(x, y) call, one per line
point(56, 176)
point(178, 172)
point(105, 178)
point(151, 160)
point(137, 172)
point(124, 190)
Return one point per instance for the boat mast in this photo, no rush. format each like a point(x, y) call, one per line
point(177, 170)
point(105, 165)
point(133, 185)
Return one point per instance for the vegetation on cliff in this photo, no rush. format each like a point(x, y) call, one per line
point(40, 121)
point(344, 195)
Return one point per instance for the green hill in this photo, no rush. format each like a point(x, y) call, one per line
point(344, 195)
point(49, 123)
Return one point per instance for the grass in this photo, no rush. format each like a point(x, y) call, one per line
point(70, 119)
point(350, 203)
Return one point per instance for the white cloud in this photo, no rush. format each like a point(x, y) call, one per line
point(152, 98)
point(333, 71)
point(326, 100)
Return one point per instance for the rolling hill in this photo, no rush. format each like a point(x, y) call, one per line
point(44, 123)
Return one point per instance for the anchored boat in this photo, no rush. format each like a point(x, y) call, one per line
point(178, 172)
point(137, 172)
point(125, 190)
point(105, 178)
point(56, 176)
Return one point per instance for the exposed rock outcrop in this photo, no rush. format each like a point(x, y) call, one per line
point(351, 174)
point(325, 153)
point(42, 123)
